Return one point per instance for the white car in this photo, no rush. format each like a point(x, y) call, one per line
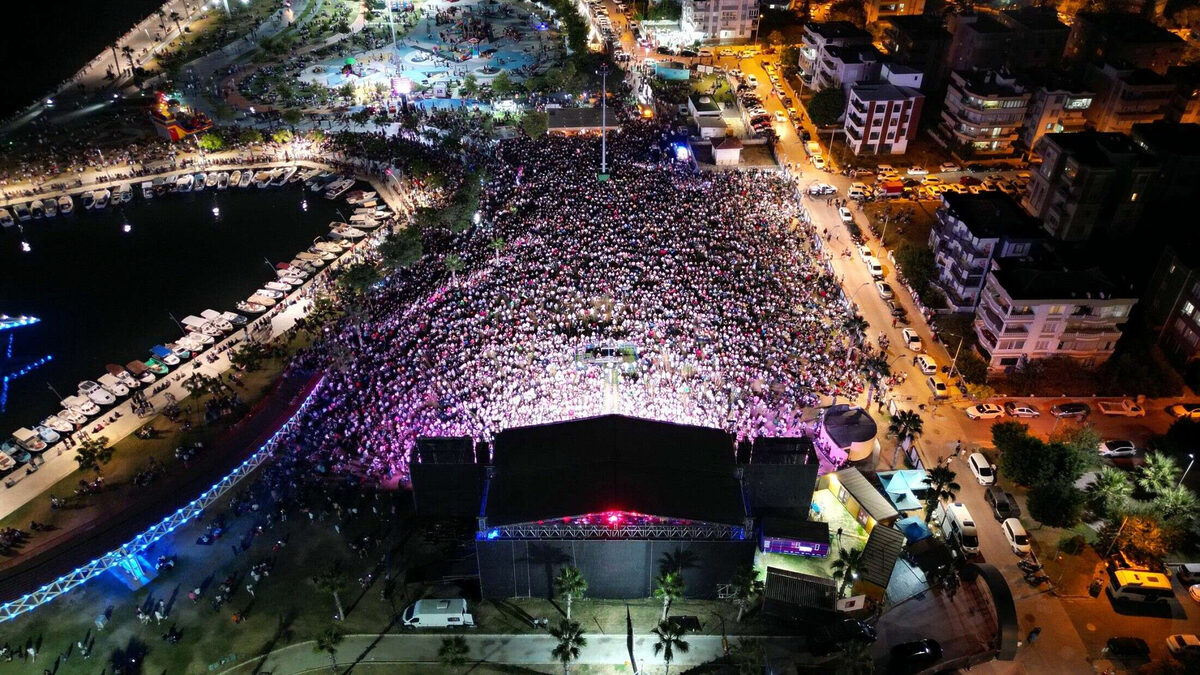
point(984, 472)
point(780, 117)
point(818, 161)
point(985, 411)
point(1017, 538)
point(1021, 410)
point(846, 215)
point(752, 80)
point(948, 167)
point(926, 364)
point(938, 387)
point(931, 180)
point(885, 169)
point(874, 268)
point(1118, 448)
point(820, 188)
point(885, 291)
point(1184, 646)
point(917, 171)
point(912, 340)
point(864, 252)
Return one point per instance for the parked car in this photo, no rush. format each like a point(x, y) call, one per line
point(1004, 505)
point(1184, 646)
point(897, 311)
point(931, 180)
point(917, 170)
point(1127, 648)
point(874, 267)
point(818, 161)
point(780, 117)
point(926, 364)
point(1117, 448)
point(938, 387)
point(1122, 408)
point(1188, 573)
point(1188, 410)
point(1015, 409)
point(912, 340)
point(843, 212)
point(1018, 538)
point(985, 411)
point(885, 291)
point(948, 167)
point(913, 657)
point(1070, 410)
point(821, 188)
point(983, 471)
point(752, 80)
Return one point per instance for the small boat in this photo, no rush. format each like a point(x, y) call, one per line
point(123, 194)
point(15, 452)
point(58, 424)
point(7, 463)
point(6, 218)
point(157, 366)
point(123, 376)
point(211, 180)
point(223, 180)
point(81, 405)
point(164, 355)
point(197, 325)
point(72, 416)
point(214, 317)
point(251, 307)
point(270, 293)
point(235, 318)
point(184, 183)
point(22, 212)
point(278, 286)
point(310, 258)
point(286, 270)
point(48, 434)
point(50, 206)
point(180, 351)
point(102, 197)
point(283, 175)
point(147, 190)
point(235, 177)
point(246, 179)
point(29, 439)
point(186, 345)
point(142, 372)
point(347, 232)
point(337, 246)
point(291, 281)
point(360, 197)
point(35, 208)
point(325, 255)
point(66, 205)
point(198, 182)
point(201, 338)
point(263, 300)
point(89, 201)
point(320, 181)
point(162, 185)
point(338, 188)
point(263, 178)
point(97, 393)
point(114, 384)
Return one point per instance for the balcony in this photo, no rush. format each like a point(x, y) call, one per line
point(856, 120)
point(986, 337)
point(854, 133)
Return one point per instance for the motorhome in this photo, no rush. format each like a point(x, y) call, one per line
point(438, 613)
point(956, 523)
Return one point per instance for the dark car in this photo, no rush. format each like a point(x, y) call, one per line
point(912, 657)
point(828, 637)
point(1071, 410)
point(1127, 648)
point(805, 135)
point(1004, 505)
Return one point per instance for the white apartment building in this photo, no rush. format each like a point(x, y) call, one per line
point(1027, 314)
point(816, 64)
point(982, 115)
point(719, 20)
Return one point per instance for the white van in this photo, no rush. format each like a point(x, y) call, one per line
point(1138, 585)
point(956, 522)
point(858, 191)
point(983, 471)
point(874, 267)
point(438, 613)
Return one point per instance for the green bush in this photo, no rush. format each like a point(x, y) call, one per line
point(1056, 503)
point(1072, 544)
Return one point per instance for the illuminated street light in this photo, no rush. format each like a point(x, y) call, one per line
point(127, 228)
point(1191, 461)
point(25, 247)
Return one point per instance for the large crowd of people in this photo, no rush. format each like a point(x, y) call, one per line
point(707, 282)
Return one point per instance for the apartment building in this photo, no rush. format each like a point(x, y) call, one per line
point(1126, 96)
point(983, 115)
point(844, 66)
point(1031, 37)
point(1176, 150)
point(1059, 104)
point(1173, 303)
point(1185, 104)
point(713, 21)
point(1089, 182)
point(815, 44)
point(919, 42)
point(1039, 38)
point(1029, 312)
point(1123, 38)
point(971, 233)
point(881, 118)
point(882, 9)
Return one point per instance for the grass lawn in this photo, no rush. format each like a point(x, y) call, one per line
point(907, 221)
point(715, 85)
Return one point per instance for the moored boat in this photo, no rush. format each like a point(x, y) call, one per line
point(147, 189)
point(123, 194)
point(223, 180)
point(235, 177)
point(58, 424)
point(251, 307)
point(269, 293)
point(246, 179)
point(321, 181)
point(142, 372)
point(282, 175)
point(114, 384)
point(263, 300)
point(338, 188)
point(347, 232)
point(197, 325)
point(210, 181)
point(81, 405)
point(157, 366)
point(29, 439)
point(278, 286)
point(235, 318)
point(102, 197)
point(36, 210)
point(48, 434)
point(184, 183)
point(50, 206)
point(89, 200)
point(164, 355)
point(123, 375)
point(263, 178)
point(214, 317)
point(15, 452)
point(73, 416)
point(96, 393)
point(66, 204)
point(6, 218)
point(198, 182)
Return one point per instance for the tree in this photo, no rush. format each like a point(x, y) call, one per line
point(570, 640)
point(1177, 506)
point(535, 123)
point(775, 38)
point(327, 643)
point(470, 86)
point(334, 581)
point(919, 268)
point(857, 325)
point(906, 426)
point(128, 52)
point(941, 488)
point(454, 265)
point(282, 136)
point(211, 142)
point(846, 567)
point(1082, 438)
point(1022, 460)
point(175, 17)
point(570, 584)
point(248, 356)
point(668, 587)
point(1159, 473)
point(497, 244)
point(875, 367)
point(1140, 536)
point(291, 117)
point(248, 136)
point(402, 249)
point(453, 652)
point(502, 84)
point(199, 383)
point(359, 278)
point(745, 586)
point(1057, 503)
point(1111, 491)
point(825, 108)
point(668, 640)
point(93, 452)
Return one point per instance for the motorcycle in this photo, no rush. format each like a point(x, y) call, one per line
point(1036, 579)
point(1029, 566)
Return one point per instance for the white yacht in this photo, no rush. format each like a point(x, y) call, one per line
point(184, 183)
point(338, 188)
point(89, 200)
point(96, 393)
point(65, 204)
point(81, 405)
point(50, 206)
point(235, 177)
point(147, 189)
point(214, 317)
point(123, 376)
point(263, 178)
point(48, 434)
point(29, 439)
point(259, 299)
point(197, 325)
point(165, 356)
point(246, 179)
point(291, 281)
point(310, 258)
point(250, 307)
point(114, 384)
point(102, 197)
point(73, 416)
point(123, 194)
point(6, 218)
point(35, 208)
point(278, 286)
point(22, 212)
point(271, 292)
point(187, 344)
point(235, 318)
point(359, 197)
point(139, 370)
point(282, 175)
point(347, 232)
point(211, 180)
point(58, 424)
point(198, 182)
point(223, 180)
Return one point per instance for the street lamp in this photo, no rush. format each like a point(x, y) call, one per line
point(603, 121)
point(1191, 461)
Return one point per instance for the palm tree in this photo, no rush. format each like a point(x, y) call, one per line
point(93, 452)
point(668, 588)
point(127, 52)
point(875, 367)
point(498, 245)
point(1159, 473)
point(669, 640)
point(453, 652)
point(906, 426)
point(857, 326)
point(1177, 505)
point(570, 640)
point(453, 265)
point(162, 18)
point(327, 643)
point(334, 580)
point(175, 16)
point(1112, 489)
point(846, 567)
point(570, 584)
point(942, 488)
point(745, 585)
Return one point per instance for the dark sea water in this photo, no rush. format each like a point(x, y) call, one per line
point(106, 296)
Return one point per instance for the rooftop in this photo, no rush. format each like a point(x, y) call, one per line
point(919, 26)
point(1097, 149)
point(1168, 138)
point(1036, 18)
point(838, 30)
point(704, 103)
point(986, 24)
point(883, 548)
point(989, 83)
point(854, 53)
point(846, 425)
point(867, 496)
point(991, 215)
point(1023, 282)
point(1128, 28)
point(883, 92)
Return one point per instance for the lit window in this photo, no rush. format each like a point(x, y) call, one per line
point(1188, 308)
point(1133, 197)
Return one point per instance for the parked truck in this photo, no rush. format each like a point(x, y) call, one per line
point(812, 148)
point(1122, 408)
point(438, 613)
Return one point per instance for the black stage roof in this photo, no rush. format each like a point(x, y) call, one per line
point(613, 463)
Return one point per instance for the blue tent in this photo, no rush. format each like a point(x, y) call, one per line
point(914, 529)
